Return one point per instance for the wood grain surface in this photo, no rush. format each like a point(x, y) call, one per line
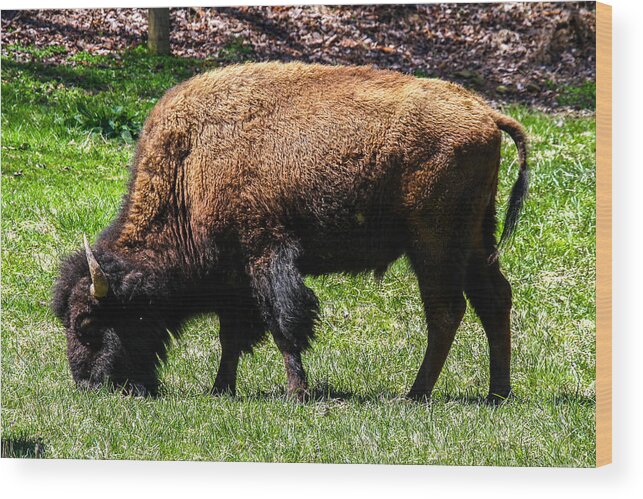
point(603, 234)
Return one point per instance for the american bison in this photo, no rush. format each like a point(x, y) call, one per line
point(248, 178)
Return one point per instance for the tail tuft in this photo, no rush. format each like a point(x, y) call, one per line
point(516, 203)
point(521, 186)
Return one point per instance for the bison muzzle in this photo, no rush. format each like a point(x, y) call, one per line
point(249, 178)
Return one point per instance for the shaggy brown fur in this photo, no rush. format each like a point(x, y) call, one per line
point(250, 177)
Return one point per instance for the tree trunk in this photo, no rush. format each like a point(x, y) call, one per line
point(158, 31)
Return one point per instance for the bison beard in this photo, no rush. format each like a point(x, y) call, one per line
point(248, 178)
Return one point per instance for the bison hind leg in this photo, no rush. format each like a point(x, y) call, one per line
point(490, 294)
point(289, 308)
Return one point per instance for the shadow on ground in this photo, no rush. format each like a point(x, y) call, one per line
point(23, 448)
point(326, 393)
point(67, 75)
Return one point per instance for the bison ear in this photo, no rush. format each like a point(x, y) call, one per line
point(100, 285)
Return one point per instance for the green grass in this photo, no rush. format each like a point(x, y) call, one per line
point(62, 177)
point(581, 96)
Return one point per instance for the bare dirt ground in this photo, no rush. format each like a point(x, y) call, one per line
point(530, 53)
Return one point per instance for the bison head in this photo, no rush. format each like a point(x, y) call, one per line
point(116, 335)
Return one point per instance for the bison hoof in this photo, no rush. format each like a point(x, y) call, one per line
point(419, 396)
point(299, 394)
point(498, 396)
point(137, 390)
point(223, 390)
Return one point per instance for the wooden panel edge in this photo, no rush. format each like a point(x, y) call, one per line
point(603, 234)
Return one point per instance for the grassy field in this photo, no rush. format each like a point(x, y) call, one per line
point(66, 142)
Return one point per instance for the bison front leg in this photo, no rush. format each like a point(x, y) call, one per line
point(289, 308)
point(241, 328)
point(226, 380)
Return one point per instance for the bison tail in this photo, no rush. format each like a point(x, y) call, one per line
point(521, 186)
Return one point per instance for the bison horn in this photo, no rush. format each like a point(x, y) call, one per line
point(100, 286)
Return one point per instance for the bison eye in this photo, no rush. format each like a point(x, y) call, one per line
point(85, 325)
